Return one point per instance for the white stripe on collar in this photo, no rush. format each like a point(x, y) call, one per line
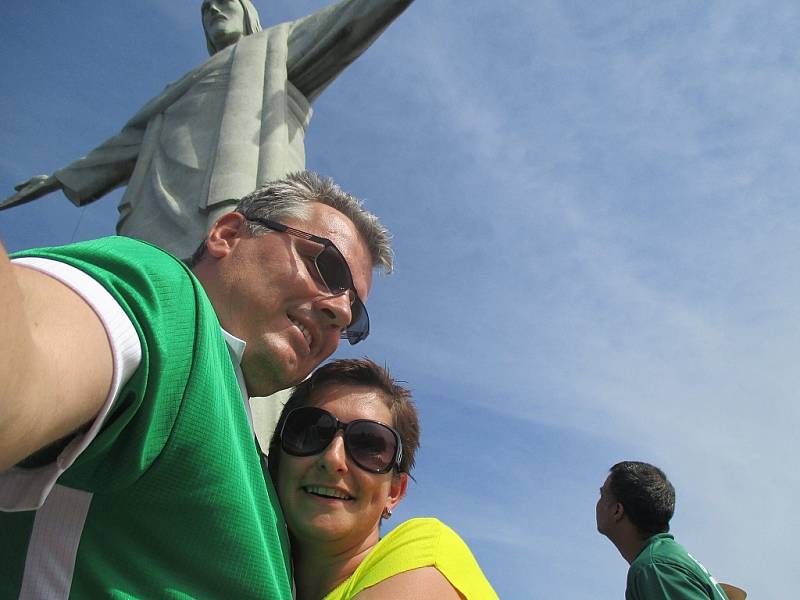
point(236, 348)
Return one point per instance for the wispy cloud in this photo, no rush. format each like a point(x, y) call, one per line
point(597, 238)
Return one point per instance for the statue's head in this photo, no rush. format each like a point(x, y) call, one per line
point(226, 21)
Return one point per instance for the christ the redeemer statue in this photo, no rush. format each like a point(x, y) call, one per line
point(229, 125)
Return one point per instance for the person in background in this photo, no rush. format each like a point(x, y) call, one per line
point(636, 504)
point(341, 459)
point(128, 462)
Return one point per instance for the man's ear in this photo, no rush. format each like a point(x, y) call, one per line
point(619, 512)
point(225, 234)
point(397, 490)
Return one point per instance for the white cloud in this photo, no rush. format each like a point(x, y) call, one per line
point(597, 229)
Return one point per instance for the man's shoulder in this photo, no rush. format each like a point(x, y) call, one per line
point(661, 549)
point(150, 284)
point(111, 246)
point(665, 569)
point(118, 255)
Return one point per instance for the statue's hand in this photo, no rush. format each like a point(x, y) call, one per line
point(32, 189)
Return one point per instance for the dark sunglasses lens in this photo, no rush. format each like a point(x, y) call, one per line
point(371, 445)
point(307, 431)
point(334, 270)
point(359, 326)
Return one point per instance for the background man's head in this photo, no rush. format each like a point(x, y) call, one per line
point(638, 492)
point(225, 21)
point(266, 285)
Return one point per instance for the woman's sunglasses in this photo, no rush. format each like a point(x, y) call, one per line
point(335, 274)
point(373, 446)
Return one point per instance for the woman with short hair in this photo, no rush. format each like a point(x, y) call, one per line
point(340, 459)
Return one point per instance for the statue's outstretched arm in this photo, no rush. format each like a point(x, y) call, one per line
point(34, 188)
point(107, 166)
point(323, 44)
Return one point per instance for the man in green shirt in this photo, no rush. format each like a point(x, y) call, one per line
point(128, 463)
point(636, 504)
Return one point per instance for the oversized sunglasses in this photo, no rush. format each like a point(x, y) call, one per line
point(373, 446)
point(334, 273)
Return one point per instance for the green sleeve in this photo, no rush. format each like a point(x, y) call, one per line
point(164, 303)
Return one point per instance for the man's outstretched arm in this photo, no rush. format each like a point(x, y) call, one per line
point(55, 361)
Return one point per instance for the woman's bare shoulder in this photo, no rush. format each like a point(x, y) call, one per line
point(422, 583)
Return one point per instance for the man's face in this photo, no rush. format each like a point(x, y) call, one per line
point(274, 300)
point(223, 21)
point(605, 509)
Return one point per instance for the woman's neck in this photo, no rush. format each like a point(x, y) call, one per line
point(320, 567)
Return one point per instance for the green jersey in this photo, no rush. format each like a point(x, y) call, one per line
point(664, 570)
point(171, 498)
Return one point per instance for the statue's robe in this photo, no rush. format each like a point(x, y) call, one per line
point(223, 129)
point(226, 127)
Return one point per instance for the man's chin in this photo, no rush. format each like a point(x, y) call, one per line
point(266, 383)
point(272, 388)
point(265, 373)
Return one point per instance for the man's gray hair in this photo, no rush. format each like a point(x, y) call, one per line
point(291, 197)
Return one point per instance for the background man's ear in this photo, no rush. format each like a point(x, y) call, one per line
point(619, 511)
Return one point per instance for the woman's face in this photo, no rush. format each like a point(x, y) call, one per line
point(327, 498)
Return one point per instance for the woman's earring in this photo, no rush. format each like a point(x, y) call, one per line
point(386, 514)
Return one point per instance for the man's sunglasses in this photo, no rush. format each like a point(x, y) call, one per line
point(334, 273)
point(373, 446)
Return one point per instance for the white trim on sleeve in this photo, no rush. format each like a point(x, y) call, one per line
point(27, 489)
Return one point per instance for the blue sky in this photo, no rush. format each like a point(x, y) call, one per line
point(596, 226)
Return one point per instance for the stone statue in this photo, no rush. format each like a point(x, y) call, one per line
point(232, 123)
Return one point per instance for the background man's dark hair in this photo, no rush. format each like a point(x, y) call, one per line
point(646, 494)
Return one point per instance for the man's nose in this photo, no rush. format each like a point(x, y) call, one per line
point(337, 309)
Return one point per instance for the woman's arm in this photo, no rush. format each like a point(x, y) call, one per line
point(423, 583)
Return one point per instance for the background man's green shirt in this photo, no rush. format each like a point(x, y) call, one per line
point(176, 501)
point(664, 570)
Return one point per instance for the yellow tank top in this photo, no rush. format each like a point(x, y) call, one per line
point(414, 544)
